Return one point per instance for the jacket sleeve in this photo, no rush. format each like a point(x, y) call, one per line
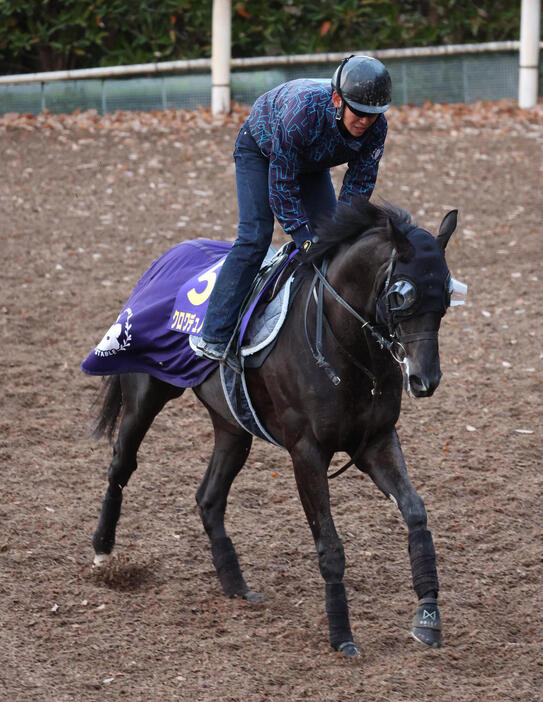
point(359, 180)
point(288, 141)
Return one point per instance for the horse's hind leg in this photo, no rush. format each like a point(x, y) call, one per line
point(142, 397)
point(229, 454)
point(384, 463)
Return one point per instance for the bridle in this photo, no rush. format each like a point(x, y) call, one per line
point(394, 342)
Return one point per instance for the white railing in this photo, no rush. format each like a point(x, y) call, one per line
point(204, 65)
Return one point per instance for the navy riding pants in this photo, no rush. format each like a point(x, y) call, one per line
point(255, 230)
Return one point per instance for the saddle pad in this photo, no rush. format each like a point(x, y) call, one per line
point(266, 321)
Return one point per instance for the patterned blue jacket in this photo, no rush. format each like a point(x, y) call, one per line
point(295, 127)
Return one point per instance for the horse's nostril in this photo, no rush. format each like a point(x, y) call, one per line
point(417, 384)
point(421, 387)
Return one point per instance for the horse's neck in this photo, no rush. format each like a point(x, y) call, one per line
point(357, 270)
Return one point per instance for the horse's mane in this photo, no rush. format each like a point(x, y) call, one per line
point(350, 222)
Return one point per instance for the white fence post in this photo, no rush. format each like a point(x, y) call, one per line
point(220, 56)
point(529, 53)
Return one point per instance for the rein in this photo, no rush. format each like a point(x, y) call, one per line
point(393, 343)
point(321, 277)
point(390, 344)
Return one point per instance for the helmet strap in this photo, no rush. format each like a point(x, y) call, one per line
point(341, 109)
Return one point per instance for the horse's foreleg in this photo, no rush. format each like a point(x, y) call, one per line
point(310, 466)
point(383, 461)
point(142, 397)
point(229, 454)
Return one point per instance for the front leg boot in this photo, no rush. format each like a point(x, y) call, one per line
point(427, 623)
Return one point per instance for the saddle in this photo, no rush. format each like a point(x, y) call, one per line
point(267, 283)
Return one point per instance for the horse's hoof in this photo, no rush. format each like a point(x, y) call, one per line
point(347, 648)
point(255, 597)
point(427, 637)
point(101, 560)
point(427, 623)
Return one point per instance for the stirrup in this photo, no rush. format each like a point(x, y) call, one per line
point(215, 352)
point(204, 349)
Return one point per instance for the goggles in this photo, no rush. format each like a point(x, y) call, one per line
point(362, 115)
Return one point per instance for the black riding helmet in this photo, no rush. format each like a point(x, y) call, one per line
point(363, 83)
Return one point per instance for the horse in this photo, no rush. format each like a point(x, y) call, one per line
point(362, 327)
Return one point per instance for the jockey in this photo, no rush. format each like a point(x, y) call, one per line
point(283, 154)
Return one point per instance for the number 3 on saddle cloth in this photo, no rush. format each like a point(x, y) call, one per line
point(151, 333)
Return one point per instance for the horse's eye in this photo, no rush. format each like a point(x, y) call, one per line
point(402, 295)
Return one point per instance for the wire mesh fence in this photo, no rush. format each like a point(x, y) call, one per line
point(442, 79)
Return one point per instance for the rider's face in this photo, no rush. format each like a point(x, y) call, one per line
point(355, 125)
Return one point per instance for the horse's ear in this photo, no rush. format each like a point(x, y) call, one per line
point(446, 228)
point(403, 246)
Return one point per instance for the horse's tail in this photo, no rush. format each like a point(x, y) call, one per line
point(110, 400)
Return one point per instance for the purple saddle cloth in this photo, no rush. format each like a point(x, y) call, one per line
point(151, 333)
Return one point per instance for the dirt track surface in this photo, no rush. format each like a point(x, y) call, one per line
point(86, 204)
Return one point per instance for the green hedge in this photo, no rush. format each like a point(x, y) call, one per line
point(42, 35)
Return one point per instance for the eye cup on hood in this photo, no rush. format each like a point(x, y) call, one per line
point(401, 296)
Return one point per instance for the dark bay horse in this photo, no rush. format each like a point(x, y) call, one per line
point(363, 325)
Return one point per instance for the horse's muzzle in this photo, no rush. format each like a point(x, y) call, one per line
point(423, 387)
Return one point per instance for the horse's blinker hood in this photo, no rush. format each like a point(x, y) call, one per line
point(416, 286)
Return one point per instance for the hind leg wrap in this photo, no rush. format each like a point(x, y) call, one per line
point(423, 562)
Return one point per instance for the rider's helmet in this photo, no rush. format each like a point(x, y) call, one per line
point(363, 83)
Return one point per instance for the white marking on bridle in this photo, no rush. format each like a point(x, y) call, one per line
point(403, 363)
